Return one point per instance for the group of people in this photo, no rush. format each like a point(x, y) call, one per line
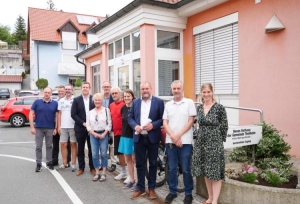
point(135, 126)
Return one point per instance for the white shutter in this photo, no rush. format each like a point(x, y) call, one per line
point(168, 71)
point(216, 59)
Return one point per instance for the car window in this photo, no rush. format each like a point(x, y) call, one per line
point(29, 101)
point(19, 102)
point(25, 94)
point(4, 90)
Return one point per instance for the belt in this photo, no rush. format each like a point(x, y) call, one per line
point(99, 131)
point(144, 135)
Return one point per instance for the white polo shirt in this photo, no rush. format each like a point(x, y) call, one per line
point(64, 105)
point(178, 113)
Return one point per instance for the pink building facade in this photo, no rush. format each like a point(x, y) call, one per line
point(218, 41)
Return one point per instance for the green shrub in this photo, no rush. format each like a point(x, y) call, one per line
point(248, 173)
point(270, 152)
point(272, 177)
point(78, 82)
point(41, 83)
point(23, 75)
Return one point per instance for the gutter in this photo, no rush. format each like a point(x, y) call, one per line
point(131, 6)
point(84, 67)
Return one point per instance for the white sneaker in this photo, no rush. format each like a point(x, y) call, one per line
point(127, 180)
point(121, 176)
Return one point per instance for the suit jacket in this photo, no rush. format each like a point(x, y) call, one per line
point(78, 113)
point(155, 114)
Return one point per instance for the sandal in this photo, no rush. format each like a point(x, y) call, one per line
point(96, 177)
point(205, 202)
point(103, 178)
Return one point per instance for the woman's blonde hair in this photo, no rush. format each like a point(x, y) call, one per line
point(98, 95)
point(210, 86)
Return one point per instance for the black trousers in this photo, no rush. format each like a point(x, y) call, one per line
point(82, 137)
point(55, 149)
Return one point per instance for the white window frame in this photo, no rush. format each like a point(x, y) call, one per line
point(65, 35)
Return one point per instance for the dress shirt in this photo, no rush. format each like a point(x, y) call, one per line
point(145, 110)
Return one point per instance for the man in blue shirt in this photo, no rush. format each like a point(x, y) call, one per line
point(45, 113)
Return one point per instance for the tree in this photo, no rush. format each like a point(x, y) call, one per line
point(20, 33)
point(78, 82)
point(51, 5)
point(5, 35)
point(41, 83)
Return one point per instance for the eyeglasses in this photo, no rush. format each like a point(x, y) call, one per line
point(114, 93)
point(96, 118)
point(106, 87)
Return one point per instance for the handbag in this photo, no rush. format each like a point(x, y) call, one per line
point(110, 139)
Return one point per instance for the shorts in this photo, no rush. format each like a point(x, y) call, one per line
point(126, 145)
point(116, 145)
point(67, 133)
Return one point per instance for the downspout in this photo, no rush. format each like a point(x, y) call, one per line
point(84, 67)
point(38, 61)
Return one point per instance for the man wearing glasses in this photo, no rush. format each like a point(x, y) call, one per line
point(107, 100)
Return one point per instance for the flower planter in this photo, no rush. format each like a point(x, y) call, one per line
point(236, 192)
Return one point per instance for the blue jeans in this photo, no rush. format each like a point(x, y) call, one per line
point(182, 155)
point(96, 144)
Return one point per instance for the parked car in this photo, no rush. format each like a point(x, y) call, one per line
point(28, 93)
point(4, 92)
point(16, 110)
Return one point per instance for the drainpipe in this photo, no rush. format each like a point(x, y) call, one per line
point(84, 67)
point(38, 60)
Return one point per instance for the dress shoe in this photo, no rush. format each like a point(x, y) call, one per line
point(152, 194)
point(55, 163)
point(112, 168)
point(93, 171)
point(170, 197)
point(79, 172)
point(138, 194)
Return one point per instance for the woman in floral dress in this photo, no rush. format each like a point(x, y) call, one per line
point(208, 157)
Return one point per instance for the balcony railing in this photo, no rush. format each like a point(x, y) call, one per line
point(9, 47)
point(70, 68)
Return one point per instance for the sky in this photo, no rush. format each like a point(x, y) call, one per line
point(11, 9)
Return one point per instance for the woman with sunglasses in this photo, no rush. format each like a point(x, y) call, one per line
point(98, 125)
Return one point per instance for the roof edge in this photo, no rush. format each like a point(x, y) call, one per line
point(93, 46)
point(71, 22)
point(135, 4)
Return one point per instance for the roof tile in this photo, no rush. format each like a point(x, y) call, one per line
point(11, 78)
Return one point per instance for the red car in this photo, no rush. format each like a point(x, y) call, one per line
point(16, 110)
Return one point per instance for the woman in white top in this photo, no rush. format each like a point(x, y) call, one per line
point(98, 125)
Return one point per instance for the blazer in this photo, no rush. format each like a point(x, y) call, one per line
point(155, 114)
point(78, 113)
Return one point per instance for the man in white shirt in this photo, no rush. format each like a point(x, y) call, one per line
point(178, 119)
point(66, 128)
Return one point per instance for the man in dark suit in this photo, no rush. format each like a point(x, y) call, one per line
point(79, 110)
point(146, 137)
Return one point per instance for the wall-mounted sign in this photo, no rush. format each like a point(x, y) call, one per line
point(238, 136)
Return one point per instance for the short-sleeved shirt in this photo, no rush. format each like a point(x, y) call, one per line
point(64, 105)
point(178, 113)
point(127, 131)
point(115, 110)
point(45, 113)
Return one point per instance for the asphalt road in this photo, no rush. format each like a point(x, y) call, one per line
point(19, 183)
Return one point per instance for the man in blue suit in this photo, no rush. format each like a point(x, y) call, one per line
point(79, 110)
point(146, 137)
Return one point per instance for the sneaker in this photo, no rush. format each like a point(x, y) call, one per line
point(73, 167)
point(188, 199)
point(38, 167)
point(170, 197)
point(50, 166)
point(62, 167)
point(121, 176)
point(129, 185)
point(127, 180)
point(134, 187)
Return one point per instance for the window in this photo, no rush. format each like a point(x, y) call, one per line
point(111, 51)
point(136, 77)
point(118, 48)
point(136, 41)
point(69, 40)
point(166, 39)
point(168, 71)
point(126, 45)
point(123, 73)
point(96, 78)
point(111, 75)
point(29, 101)
point(19, 102)
point(216, 59)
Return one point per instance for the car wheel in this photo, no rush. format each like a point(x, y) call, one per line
point(17, 120)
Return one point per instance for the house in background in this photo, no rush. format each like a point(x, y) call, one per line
point(11, 61)
point(234, 44)
point(12, 82)
point(54, 37)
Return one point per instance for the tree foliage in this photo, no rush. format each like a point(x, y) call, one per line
point(51, 5)
point(20, 33)
point(5, 34)
point(41, 83)
point(78, 82)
